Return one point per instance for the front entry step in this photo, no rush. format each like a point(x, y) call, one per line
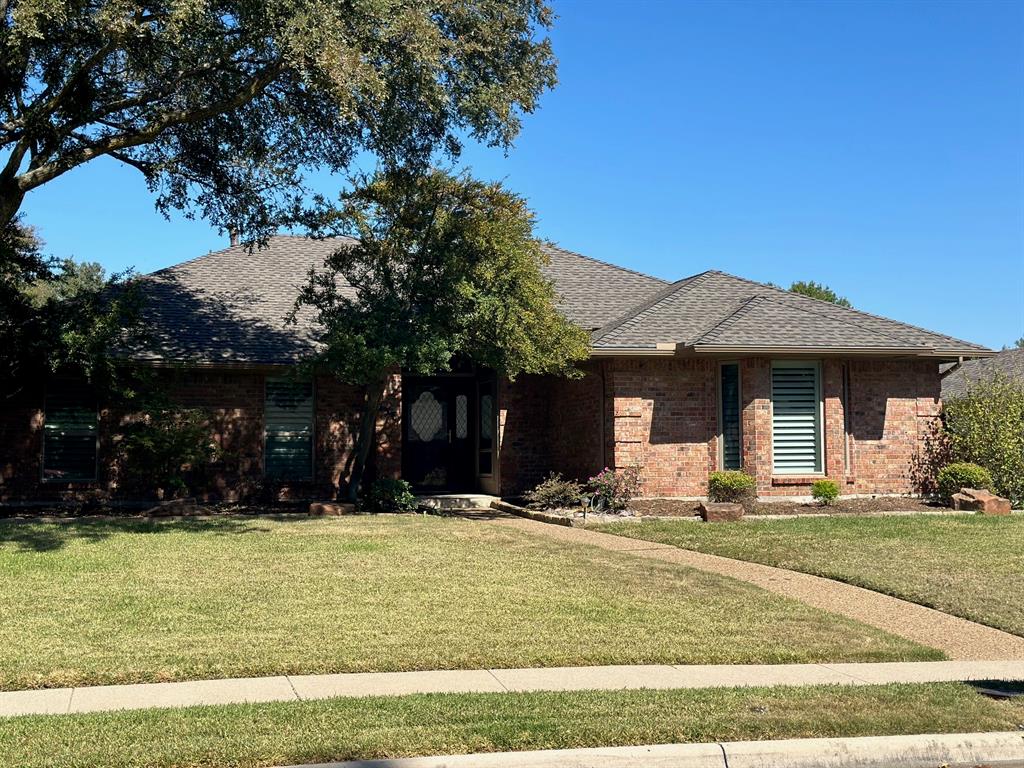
point(456, 501)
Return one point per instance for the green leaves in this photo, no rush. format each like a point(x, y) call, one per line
point(443, 266)
point(221, 106)
point(986, 427)
point(818, 291)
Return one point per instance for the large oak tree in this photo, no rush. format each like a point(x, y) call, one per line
point(221, 104)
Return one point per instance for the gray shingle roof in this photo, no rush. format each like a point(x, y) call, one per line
point(1009, 362)
point(230, 305)
point(716, 309)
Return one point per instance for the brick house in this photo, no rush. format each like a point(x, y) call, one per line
point(709, 372)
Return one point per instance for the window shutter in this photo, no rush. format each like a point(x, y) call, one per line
point(69, 433)
point(730, 416)
point(288, 414)
point(796, 441)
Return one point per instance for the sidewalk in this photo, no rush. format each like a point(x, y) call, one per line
point(924, 751)
point(58, 701)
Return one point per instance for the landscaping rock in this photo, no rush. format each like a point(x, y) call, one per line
point(173, 508)
point(331, 508)
point(972, 499)
point(720, 511)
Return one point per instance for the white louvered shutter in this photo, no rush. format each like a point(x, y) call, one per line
point(796, 427)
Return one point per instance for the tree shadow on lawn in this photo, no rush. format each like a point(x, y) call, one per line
point(28, 535)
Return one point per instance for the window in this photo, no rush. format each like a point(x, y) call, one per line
point(488, 422)
point(288, 439)
point(69, 433)
point(796, 418)
point(729, 415)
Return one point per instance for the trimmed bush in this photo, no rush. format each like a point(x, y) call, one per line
point(555, 492)
point(391, 495)
point(613, 490)
point(733, 486)
point(962, 474)
point(825, 491)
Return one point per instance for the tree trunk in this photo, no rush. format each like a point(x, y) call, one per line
point(367, 432)
point(10, 204)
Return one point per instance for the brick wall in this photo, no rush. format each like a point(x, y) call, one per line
point(234, 400)
point(664, 419)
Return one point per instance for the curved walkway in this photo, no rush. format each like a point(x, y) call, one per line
point(957, 638)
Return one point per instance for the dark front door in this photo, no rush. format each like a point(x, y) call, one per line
point(437, 433)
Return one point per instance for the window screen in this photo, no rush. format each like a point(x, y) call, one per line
point(288, 415)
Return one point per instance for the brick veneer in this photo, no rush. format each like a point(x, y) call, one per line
point(658, 413)
point(234, 401)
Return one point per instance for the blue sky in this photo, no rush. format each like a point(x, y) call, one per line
point(877, 147)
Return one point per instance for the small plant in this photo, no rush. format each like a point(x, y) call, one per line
point(733, 486)
point(555, 492)
point(962, 474)
point(388, 494)
point(613, 490)
point(825, 492)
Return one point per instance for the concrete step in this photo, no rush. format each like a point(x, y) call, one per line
point(457, 501)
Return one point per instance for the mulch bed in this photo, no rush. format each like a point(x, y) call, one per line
point(680, 508)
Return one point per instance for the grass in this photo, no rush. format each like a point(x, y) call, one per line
point(110, 601)
point(969, 566)
point(345, 729)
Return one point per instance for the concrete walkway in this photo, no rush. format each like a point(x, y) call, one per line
point(56, 701)
point(956, 637)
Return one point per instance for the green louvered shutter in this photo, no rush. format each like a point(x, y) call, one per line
point(69, 433)
point(796, 418)
point(730, 416)
point(288, 415)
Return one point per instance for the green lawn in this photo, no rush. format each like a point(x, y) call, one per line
point(344, 729)
point(97, 601)
point(969, 566)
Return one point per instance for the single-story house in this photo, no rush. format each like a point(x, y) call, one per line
point(957, 377)
point(708, 372)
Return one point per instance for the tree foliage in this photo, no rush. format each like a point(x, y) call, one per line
point(58, 316)
point(442, 267)
point(221, 105)
point(985, 426)
point(818, 291)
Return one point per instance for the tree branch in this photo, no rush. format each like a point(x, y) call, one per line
point(48, 171)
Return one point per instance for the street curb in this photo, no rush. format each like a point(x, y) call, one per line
point(956, 750)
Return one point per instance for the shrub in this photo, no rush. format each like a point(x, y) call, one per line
point(165, 451)
point(825, 491)
point(388, 494)
point(613, 490)
point(962, 474)
point(733, 486)
point(555, 492)
point(985, 426)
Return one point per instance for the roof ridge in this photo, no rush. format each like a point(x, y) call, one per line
point(784, 292)
point(241, 246)
point(552, 244)
point(731, 317)
point(648, 304)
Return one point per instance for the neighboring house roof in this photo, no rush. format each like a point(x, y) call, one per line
point(230, 306)
point(714, 311)
point(1009, 363)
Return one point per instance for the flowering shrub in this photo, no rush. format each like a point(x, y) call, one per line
point(613, 490)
